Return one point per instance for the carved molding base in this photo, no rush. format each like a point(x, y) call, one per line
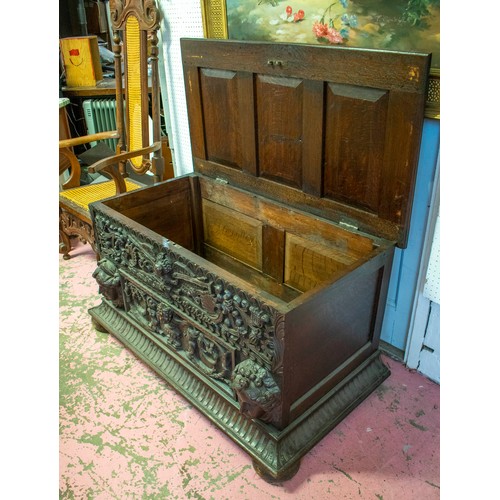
point(276, 454)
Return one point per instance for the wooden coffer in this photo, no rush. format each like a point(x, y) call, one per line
point(256, 285)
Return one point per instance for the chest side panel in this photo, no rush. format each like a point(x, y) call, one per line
point(335, 131)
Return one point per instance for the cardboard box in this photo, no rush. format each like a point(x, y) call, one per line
point(81, 60)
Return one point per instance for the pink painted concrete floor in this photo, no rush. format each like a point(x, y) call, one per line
point(124, 433)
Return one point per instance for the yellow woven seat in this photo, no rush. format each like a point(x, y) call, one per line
point(83, 196)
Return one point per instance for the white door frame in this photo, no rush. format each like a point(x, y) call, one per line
point(421, 304)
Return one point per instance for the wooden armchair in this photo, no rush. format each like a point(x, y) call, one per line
point(138, 22)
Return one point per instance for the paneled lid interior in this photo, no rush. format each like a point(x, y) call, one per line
point(330, 130)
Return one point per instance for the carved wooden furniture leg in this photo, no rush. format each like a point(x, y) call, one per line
point(71, 226)
point(64, 244)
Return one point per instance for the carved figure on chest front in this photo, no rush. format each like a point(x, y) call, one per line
point(257, 392)
point(108, 278)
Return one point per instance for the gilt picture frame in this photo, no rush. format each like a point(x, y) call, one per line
point(401, 25)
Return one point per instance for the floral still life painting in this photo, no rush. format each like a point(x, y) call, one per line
point(405, 25)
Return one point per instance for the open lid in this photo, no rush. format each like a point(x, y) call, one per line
point(330, 130)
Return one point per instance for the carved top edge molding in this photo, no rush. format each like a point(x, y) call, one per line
point(145, 11)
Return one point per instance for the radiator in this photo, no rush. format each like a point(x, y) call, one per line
point(100, 116)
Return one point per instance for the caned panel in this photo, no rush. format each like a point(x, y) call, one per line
point(233, 233)
point(137, 131)
point(308, 263)
point(279, 121)
point(354, 144)
point(221, 114)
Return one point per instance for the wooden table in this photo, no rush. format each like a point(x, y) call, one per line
point(106, 87)
point(103, 88)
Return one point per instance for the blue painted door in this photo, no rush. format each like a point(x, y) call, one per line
point(405, 269)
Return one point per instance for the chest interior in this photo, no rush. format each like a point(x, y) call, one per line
point(282, 252)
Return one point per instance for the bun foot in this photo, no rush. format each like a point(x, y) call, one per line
point(284, 475)
point(99, 327)
point(65, 248)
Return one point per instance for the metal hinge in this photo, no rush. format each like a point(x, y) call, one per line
point(352, 225)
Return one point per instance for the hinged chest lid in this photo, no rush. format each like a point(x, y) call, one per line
point(330, 130)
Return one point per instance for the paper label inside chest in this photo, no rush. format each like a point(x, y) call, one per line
point(256, 286)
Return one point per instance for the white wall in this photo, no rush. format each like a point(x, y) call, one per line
point(180, 18)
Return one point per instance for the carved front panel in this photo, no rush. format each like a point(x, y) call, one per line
point(230, 314)
point(212, 356)
point(228, 334)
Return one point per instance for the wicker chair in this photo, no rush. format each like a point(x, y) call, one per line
point(137, 21)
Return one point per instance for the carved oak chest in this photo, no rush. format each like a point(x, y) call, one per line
point(256, 285)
